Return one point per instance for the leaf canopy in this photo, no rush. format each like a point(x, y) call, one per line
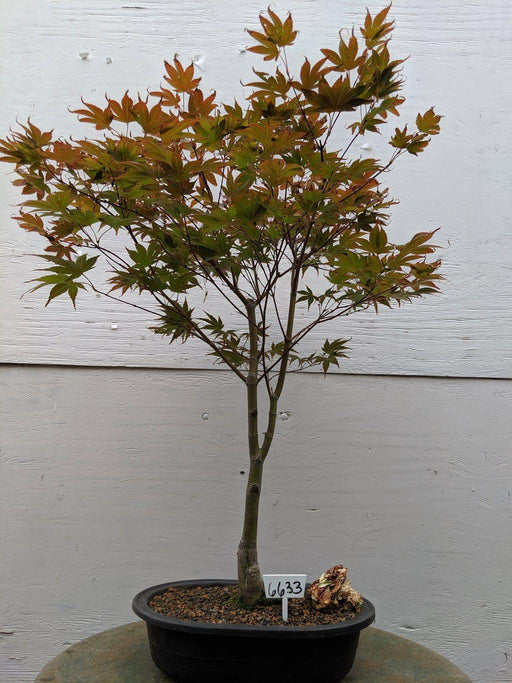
point(240, 199)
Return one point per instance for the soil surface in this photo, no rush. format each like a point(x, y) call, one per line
point(217, 605)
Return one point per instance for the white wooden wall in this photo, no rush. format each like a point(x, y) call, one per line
point(109, 478)
point(113, 481)
point(460, 61)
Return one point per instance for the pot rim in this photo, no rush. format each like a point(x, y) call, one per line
point(364, 618)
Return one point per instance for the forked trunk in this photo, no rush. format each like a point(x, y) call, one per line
point(250, 583)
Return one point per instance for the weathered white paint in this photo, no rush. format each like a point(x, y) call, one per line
point(112, 481)
point(52, 52)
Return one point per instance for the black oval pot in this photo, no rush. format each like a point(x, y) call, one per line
point(198, 652)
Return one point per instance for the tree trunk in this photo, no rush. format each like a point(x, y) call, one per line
point(250, 583)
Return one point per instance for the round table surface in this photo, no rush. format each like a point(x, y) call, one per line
point(121, 655)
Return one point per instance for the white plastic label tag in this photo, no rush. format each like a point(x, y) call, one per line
point(284, 586)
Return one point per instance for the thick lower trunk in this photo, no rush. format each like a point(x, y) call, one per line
point(250, 583)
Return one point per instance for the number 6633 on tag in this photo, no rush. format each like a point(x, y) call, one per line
point(284, 585)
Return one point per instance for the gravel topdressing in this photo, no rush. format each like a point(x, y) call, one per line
point(213, 605)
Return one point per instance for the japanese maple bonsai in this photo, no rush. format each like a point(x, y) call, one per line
point(182, 194)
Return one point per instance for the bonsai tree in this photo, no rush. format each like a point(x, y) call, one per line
point(182, 194)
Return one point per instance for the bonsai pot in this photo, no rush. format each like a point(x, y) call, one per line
point(199, 652)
